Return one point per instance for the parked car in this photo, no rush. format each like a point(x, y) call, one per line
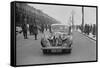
point(58, 41)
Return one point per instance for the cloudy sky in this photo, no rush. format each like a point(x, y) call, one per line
point(63, 13)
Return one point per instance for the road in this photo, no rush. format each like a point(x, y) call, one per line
point(29, 50)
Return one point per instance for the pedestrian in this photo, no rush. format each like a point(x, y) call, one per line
point(35, 31)
point(24, 30)
point(94, 30)
point(88, 29)
point(85, 29)
point(69, 30)
point(42, 28)
point(30, 29)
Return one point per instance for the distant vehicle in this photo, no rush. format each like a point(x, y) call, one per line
point(58, 41)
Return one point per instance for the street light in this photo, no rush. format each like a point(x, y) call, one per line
point(82, 18)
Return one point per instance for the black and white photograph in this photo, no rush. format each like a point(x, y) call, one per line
point(51, 33)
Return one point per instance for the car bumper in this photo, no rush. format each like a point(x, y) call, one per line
point(54, 50)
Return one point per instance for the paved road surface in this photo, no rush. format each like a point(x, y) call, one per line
point(29, 51)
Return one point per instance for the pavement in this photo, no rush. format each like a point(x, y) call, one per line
point(91, 36)
point(29, 50)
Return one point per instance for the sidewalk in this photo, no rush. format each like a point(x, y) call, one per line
point(89, 36)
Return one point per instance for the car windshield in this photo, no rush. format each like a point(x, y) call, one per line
point(60, 28)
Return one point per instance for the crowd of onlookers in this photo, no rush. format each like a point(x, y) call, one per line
point(87, 29)
point(32, 28)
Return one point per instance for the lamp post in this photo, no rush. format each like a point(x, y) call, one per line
point(72, 19)
point(82, 18)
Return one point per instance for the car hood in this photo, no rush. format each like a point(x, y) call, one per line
point(58, 35)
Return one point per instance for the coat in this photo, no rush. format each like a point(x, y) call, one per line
point(35, 30)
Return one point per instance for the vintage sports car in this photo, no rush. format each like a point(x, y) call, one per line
point(58, 41)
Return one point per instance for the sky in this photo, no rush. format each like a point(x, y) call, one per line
point(64, 13)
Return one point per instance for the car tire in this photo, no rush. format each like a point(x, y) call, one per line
point(69, 51)
point(44, 51)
